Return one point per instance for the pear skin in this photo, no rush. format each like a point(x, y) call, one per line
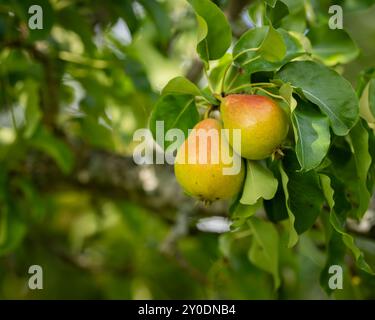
point(263, 124)
point(206, 179)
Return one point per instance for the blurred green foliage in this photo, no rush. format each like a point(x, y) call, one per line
point(93, 74)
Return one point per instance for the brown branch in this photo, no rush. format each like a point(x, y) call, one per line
point(234, 9)
point(195, 71)
point(169, 248)
point(105, 174)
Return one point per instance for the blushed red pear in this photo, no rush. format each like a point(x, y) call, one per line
point(263, 124)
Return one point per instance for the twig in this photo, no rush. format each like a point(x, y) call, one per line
point(169, 247)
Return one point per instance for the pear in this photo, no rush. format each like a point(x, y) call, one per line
point(200, 166)
point(263, 124)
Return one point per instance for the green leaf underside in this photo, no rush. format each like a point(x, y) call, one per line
point(293, 236)
point(214, 32)
point(312, 136)
point(371, 96)
point(264, 251)
point(305, 197)
point(332, 46)
point(359, 140)
point(327, 89)
point(338, 222)
point(259, 183)
point(335, 252)
point(177, 111)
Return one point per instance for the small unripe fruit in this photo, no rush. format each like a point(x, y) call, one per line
point(264, 125)
point(207, 180)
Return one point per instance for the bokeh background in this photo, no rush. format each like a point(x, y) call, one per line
point(71, 198)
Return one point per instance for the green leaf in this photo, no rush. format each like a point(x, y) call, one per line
point(32, 113)
point(363, 80)
point(136, 71)
point(295, 22)
point(217, 72)
point(359, 140)
point(371, 148)
point(332, 46)
point(312, 136)
point(225, 243)
point(259, 183)
point(327, 89)
point(264, 250)
point(277, 13)
point(286, 91)
point(70, 19)
point(335, 253)
point(160, 17)
point(246, 50)
point(293, 236)
point(181, 85)
point(257, 12)
point(126, 10)
point(22, 10)
point(371, 96)
point(215, 34)
point(338, 222)
point(276, 208)
point(54, 147)
point(243, 212)
point(12, 229)
point(347, 172)
point(96, 133)
point(365, 104)
point(271, 2)
point(294, 5)
point(273, 48)
point(177, 111)
point(305, 198)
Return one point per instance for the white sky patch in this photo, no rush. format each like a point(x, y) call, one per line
point(121, 31)
point(148, 178)
point(214, 224)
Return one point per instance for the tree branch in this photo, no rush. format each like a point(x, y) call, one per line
point(102, 173)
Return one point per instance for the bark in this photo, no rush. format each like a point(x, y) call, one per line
point(105, 174)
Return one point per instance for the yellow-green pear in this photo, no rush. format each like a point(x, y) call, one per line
point(201, 168)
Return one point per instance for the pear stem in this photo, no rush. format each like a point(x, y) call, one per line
point(207, 113)
point(218, 97)
point(233, 80)
point(278, 154)
point(206, 202)
point(224, 77)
